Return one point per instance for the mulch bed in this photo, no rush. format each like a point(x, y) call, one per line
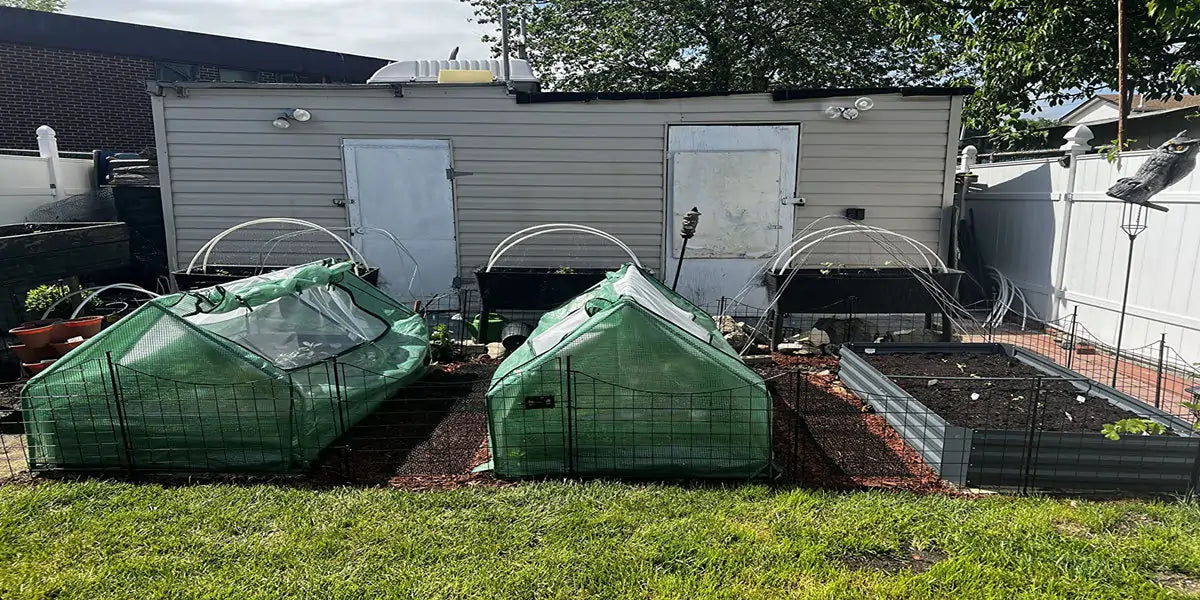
point(826, 437)
point(431, 435)
point(996, 403)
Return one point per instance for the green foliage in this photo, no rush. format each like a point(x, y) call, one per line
point(441, 344)
point(1113, 431)
point(1112, 150)
point(1026, 134)
point(46, 5)
point(1020, 52)
point(565, 270)
point(643, 45)
point(40, 298)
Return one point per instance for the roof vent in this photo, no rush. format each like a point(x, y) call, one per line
point(426, 71)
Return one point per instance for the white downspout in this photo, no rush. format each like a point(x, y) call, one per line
point(1076, 144)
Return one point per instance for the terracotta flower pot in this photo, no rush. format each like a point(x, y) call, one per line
point(32, 355)
point(84, 327)
point(64, 348)
point(39, 366)
point(33, 335)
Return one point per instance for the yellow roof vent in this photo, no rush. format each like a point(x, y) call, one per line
point(464, 76)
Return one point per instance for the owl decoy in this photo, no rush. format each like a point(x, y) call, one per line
point(1174, 159)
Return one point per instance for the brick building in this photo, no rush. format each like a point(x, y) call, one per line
point(87, 77)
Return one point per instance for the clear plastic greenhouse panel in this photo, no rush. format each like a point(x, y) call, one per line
point(629, 379)
point(258, 375)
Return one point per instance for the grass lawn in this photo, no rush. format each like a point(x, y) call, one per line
point(568, 540)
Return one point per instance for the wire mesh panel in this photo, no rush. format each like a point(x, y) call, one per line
point(615, 430)
point(529, 424)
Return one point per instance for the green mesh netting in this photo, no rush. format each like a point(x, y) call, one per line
point(258, 375)
point(629, 379)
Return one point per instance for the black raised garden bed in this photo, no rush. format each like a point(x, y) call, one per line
point(41, 252)
point(528, 288)
point(858, 290)
point(35, 253)
point(972, 412)
point(222, 274)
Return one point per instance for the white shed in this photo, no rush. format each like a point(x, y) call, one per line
point(452, 169)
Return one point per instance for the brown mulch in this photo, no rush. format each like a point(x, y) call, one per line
point(914, 561)
point(842, 443)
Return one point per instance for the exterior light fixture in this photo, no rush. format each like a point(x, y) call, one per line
point(850, 113)
point(284, 120)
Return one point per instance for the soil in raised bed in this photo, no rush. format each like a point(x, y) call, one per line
point(983, 403)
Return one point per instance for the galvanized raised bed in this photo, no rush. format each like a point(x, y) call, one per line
point(1026, 458)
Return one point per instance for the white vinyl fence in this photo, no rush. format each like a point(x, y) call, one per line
point(1051, 229)
point(27, 182)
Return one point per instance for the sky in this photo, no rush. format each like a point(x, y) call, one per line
point(395, 29)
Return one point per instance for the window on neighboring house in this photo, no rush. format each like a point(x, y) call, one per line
point(237, 75)
point(169, 71)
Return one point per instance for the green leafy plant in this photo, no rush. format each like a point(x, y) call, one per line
point(441, 344)
point(1112, 151)
point(565, 270)
point(42, 297)
point(1113, 431)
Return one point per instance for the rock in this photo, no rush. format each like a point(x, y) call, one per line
point(840, 331)
point(737, 339)
point(798, 348)
point(758, 360)
point(472, 348)
point(496, 350)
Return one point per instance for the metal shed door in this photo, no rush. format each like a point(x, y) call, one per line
point(743, 179)
point(403, 187)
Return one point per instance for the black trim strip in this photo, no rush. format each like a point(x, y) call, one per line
point(777, 95)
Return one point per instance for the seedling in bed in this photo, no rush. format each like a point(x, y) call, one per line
point(1113, 431)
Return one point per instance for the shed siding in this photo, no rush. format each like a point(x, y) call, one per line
point(596, 163)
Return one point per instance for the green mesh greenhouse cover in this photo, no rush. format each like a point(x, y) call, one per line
point(628, 379)
point(258, 375)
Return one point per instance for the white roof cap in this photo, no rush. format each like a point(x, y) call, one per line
point(410, 71)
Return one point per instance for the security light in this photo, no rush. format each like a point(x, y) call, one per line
point(281, 122)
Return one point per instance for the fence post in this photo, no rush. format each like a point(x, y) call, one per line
point(48, 149)
point(797, 464)
point(721, 306)
point(121, 419)
point(1076, 143)
point(1029, 455)
point(1158, 382)
point(1071, 339)
point(568, 418)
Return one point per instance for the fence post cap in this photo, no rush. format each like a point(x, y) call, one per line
point(46, 131)
point(1077, 140)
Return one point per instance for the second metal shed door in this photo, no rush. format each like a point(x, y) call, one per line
point(743, 179)
point(403, 187)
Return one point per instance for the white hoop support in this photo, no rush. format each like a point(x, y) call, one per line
point(840, 230)
point(208, 246)
point(508, 243)
point(97, 290)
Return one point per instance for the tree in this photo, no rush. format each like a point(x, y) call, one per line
point(1018, 53)
point(644, 45)
point(46, 5)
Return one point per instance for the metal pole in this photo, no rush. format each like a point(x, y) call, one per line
point(679, 264)
point(1162, 351)
point(1124, 306)
point(504, 42)
point(1071, 340)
